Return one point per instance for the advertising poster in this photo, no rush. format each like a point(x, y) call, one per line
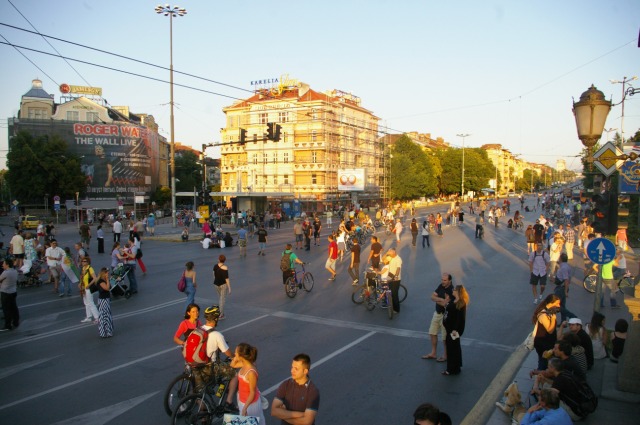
point(351, 179)
point(629, 179)
point(117, 158)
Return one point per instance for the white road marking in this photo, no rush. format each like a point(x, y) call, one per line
point(8, 371)
point(113, 369)
point(106, 414)
point(323, 360)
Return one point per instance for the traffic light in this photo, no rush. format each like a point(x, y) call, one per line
point(601, 213)
point(270, 130)
point(623, 212)
point(243, 136)
point(276, 135)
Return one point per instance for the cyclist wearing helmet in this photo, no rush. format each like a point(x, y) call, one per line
point(216, 342)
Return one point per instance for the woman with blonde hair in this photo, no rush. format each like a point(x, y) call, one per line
point(454, 322)
point(249, 402)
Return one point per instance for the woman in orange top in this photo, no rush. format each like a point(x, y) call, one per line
point(249, 402)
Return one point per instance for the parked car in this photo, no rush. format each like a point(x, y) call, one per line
point(29, 222)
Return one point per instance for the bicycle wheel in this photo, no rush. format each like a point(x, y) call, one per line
point(192, 410)
point(307, 281)
point(589, 283)
point(360, 294)
point(402, 293)
point(389, 305)
point(178, 389)
point(625, 282)
point(291, 287)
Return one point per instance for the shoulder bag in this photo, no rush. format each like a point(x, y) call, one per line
point(528, 343)
point(182, 283)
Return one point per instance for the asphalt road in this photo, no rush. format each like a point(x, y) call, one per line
point(55, 370)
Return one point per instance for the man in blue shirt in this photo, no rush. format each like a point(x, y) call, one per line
point(547, 411)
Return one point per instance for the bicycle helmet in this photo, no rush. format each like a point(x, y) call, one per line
point(212, 313)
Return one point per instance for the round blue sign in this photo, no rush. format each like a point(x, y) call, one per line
point(601, 251)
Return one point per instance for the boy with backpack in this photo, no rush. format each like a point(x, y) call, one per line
point(200, 350)
point(287, 262)
point(538, 266)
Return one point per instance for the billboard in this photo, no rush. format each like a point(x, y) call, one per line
point(117, 158)
point(351, 179)
point(629, 180)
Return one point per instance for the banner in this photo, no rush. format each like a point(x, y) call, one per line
point(70, 269)
point(629, 179)
point(351, 179)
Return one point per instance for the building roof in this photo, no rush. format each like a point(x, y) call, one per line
point(37, 91)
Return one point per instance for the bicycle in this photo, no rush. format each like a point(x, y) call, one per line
point(626, 281)
point(376, 292)
point(206, 406)
point(293, 283)
point(179, 388)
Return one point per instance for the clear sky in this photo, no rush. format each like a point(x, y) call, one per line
point(503, 71)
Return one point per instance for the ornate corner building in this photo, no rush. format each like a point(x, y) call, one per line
point(320, 135)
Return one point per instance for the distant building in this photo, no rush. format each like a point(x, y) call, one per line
point(322, 135)
point(121, 152)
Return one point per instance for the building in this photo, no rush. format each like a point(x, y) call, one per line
point(328, 150)
point(121, 152)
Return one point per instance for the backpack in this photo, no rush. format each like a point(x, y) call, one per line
point(535, 255)
point(194, 349)
point(583, 400)
point(138, 254)
point(285, 261)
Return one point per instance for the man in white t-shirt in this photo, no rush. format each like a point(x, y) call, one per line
point(117, 230)
point(54, 256)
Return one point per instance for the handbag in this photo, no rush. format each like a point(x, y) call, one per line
point(528, 343)
point(182, 283)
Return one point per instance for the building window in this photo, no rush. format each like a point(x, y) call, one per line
point(37, 113)
point(314, 179)
point(72, 116)
point(264, 158)
point(285, 158)
point(314, 135)
point(255, 137)
point(92, 117)
point(314, 157)
point(283, 116)
point(264, 118)
point(275, 157)
point(275, 180)
point(255, 158)
point(284, 137)
point(285, 179)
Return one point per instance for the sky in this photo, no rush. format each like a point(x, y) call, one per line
point(503, 72)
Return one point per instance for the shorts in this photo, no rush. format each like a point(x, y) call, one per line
point(207, 373)
point(437, 325)
point(341, 246)
point(54, 271)
point(330, 264)
point(542, 280)
point(242, 243)
point(298, 238)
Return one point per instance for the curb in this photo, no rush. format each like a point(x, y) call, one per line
point(485, 406)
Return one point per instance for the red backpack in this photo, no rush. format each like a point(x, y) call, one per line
point(194, 349)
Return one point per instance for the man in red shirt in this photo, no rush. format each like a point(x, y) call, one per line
point(333, 256)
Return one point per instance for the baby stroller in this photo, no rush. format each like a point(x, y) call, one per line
point(29, 273)
point(116, 281)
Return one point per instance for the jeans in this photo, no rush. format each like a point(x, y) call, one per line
point(425, 238)
point(222, 295)
point(10, 309)
point(354, 271)
point(190, 291)
point(414, 236)
point(64, 281)
point(395, 286)
point(133, 283)
point(612, 284)
point(564, 312)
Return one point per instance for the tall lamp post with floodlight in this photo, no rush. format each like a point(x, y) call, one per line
point(171, 12)
point(462, 182)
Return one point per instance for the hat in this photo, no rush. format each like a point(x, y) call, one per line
point(575, 321)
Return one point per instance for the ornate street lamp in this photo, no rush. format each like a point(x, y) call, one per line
point(591, 114)
point(465, 135)
point(171, 12)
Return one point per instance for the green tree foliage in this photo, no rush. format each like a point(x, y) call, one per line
point(43, 166)
point(412, 171)
point(162, 196)
point(478, 170)
point(188, 172)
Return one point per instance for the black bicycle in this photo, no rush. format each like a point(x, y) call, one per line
point(626, 281)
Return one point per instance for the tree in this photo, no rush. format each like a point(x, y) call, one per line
point(188, 172)
point(412, 171)
point(478, 170)
point(43, 165)
point(162, 195)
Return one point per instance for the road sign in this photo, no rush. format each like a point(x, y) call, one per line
point(15, 203)
point(601, 251)
point(56, 198)
point(56, 206)
point(606, 158)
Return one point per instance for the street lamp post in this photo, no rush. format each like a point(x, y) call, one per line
point(172, 12)
point(463, 135)
point(624, 82)
point(78, 209)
